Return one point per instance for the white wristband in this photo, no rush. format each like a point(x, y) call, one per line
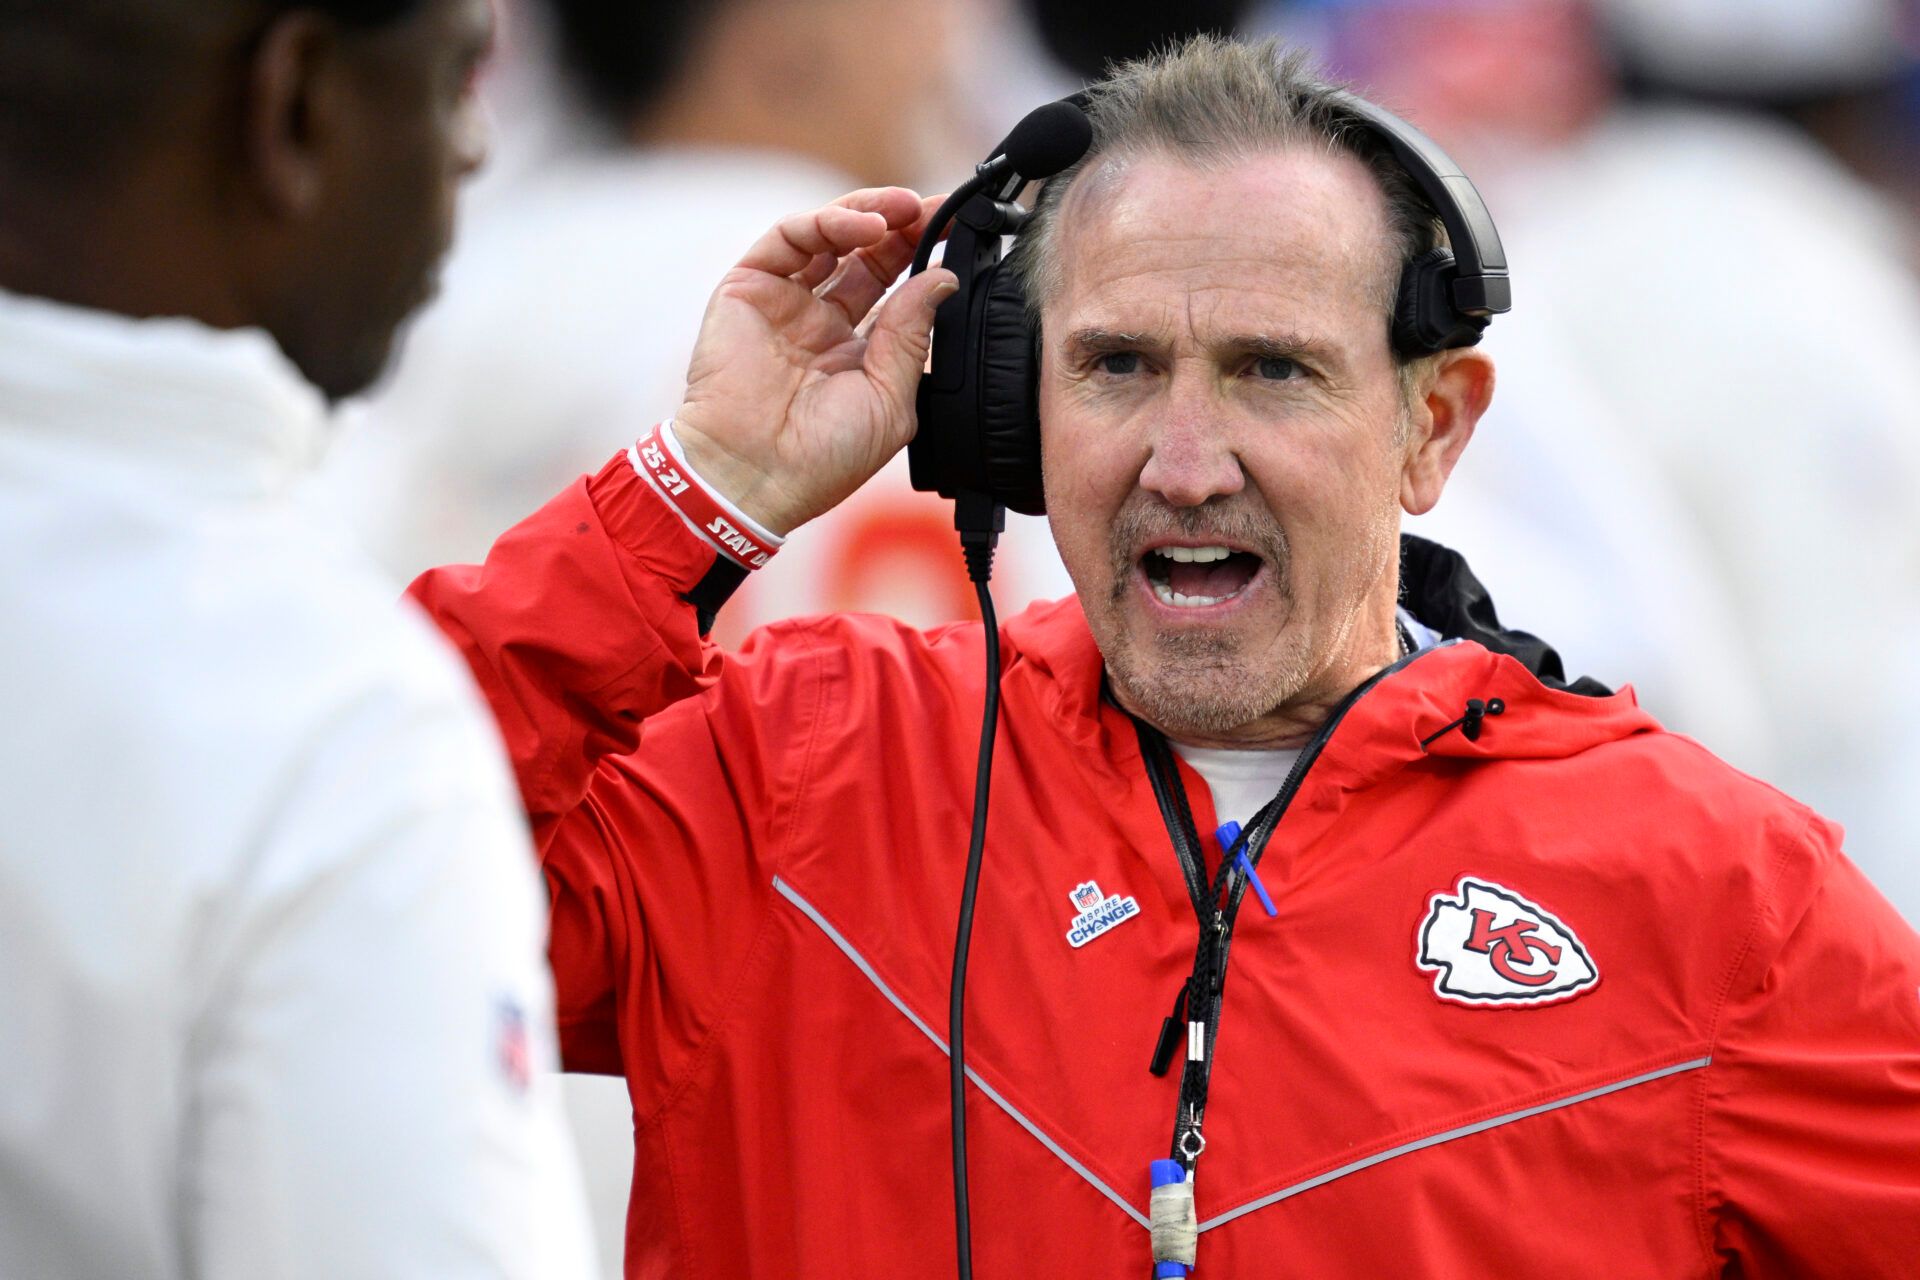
point(658, 459)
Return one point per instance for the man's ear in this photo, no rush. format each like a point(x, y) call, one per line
point(290, 91)
point(1457, 392)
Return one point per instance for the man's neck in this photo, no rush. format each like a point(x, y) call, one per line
point(1297, 719)
point(1289, 726)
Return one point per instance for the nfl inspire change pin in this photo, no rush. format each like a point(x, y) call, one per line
point(1097, 914)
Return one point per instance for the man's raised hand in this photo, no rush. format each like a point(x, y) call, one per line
point(792, 402)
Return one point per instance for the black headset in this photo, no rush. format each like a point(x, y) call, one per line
point(979, 421)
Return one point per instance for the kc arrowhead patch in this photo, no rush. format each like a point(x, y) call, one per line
point(1488, 946)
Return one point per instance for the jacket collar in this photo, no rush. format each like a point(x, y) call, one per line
point(1437, 587)
point(1544, 715)
point(192, 410)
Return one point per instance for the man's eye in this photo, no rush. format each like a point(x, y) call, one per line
point(1119, 362)
point(1276, 368)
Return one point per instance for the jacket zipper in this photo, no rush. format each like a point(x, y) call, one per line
point(1203, 989)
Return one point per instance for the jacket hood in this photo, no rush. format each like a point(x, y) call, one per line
point(1438, 588)
point(1422, 706)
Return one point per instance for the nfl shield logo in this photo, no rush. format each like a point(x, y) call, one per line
point(515, 1047)
point(1095, 912)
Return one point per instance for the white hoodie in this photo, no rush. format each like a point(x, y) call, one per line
point(273, 993)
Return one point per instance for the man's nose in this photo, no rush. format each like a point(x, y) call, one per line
point(1192, 459)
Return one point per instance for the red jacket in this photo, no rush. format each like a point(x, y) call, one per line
point(755, 861)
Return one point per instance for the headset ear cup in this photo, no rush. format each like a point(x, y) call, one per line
point(1009, 408)
point(1424, 318)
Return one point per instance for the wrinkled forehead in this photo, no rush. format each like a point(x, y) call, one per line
point(1293, 228)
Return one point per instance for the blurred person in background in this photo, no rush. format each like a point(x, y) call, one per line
point(1086, 41)
point(572, 301)
point(272, 962)
point(1846, 71)
point(1735, 310)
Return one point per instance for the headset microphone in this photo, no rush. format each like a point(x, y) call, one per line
point(963, 425)
point(1047, 140)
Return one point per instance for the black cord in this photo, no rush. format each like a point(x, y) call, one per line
point(979, 520)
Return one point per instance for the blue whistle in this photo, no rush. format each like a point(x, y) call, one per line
point(1226, 835)
point(1168, 1173)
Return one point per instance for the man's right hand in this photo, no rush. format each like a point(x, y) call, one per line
point(791, 402)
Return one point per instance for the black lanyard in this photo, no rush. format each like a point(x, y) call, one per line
point(1216, 906)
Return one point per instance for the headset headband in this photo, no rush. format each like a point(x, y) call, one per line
point(1481, 287)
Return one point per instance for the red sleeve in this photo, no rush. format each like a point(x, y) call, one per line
point(577, 629)
point(579, 635)
point(1810, 1150)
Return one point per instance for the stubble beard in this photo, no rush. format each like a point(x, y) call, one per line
point(1189, 681)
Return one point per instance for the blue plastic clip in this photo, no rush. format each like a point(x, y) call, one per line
point(1226, 835)
point(1167, 1173)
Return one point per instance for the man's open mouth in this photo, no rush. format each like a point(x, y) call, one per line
point(1195, 577)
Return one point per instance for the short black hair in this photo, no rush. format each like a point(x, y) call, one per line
point(79, 78)
point(361, 13)
point(623, 54)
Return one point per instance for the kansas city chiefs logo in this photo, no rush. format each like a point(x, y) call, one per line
point(1487, 945)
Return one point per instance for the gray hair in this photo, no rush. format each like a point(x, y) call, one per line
point(1211, 101)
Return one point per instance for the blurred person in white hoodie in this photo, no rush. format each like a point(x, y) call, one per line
point(272, 962)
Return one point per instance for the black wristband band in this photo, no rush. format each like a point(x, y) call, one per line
point(714, 590)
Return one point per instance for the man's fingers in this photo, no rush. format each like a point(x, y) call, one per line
point(862, 280)
point(898, 340)
point(797, 239)
point(854, 221)
point(898, 205)
point(818, 271)
point(869, 273)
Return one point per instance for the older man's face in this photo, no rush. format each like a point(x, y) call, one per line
point(1220, 419)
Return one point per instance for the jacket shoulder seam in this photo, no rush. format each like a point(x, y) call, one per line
point(789, 821)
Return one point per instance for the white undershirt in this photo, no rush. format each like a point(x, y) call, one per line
point(1242, 781)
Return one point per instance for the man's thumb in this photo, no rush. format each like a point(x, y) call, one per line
point(897, 345)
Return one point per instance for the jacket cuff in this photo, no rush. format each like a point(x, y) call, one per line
point(643, 525)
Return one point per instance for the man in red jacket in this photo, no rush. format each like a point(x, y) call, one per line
point(1542, 990)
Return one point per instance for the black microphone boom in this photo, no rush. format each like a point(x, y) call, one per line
point(1047, 140)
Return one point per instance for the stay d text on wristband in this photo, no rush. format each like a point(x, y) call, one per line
point(722, 525)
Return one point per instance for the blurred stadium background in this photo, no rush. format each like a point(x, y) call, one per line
point(1701, 474)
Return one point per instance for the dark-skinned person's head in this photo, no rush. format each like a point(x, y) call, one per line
point(269, 163)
